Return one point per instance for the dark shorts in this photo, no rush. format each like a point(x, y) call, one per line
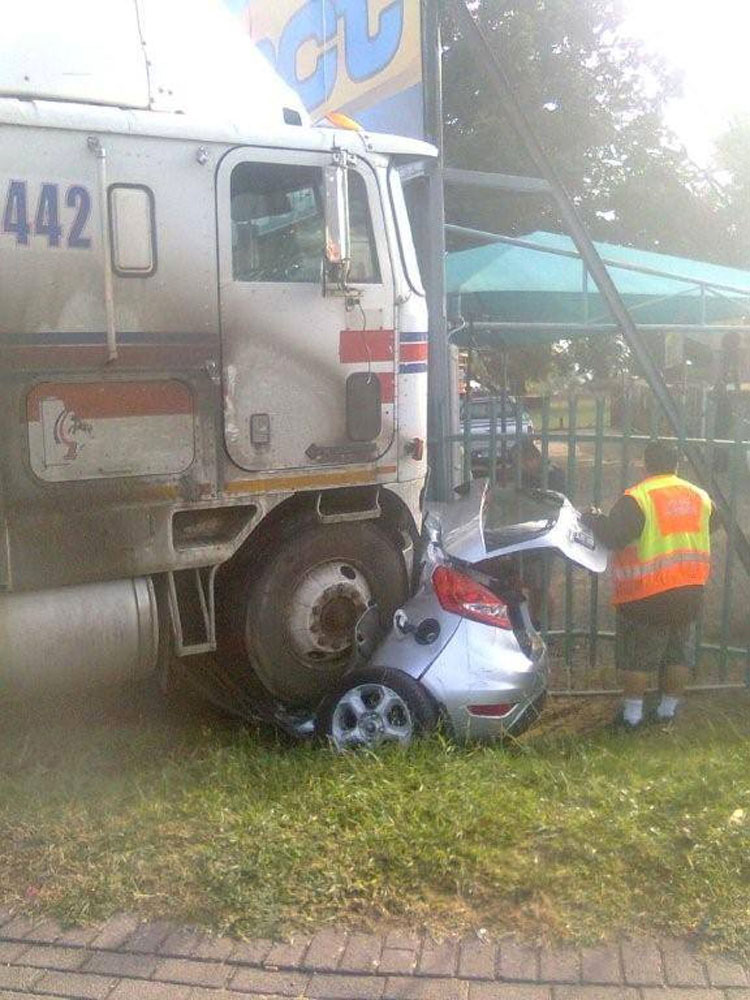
point(646, 648)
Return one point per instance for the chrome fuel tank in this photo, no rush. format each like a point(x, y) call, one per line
point(98, 633)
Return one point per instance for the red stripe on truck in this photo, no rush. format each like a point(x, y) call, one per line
point(365, 345)
point(413, 352)
point(101, 400)
point(386, 386)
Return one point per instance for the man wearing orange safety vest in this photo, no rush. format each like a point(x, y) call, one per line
point(659, 535)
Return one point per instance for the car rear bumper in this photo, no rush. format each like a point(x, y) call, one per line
point(484, 666)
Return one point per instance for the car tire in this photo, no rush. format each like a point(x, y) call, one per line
point(298, 609)
point(374, 706)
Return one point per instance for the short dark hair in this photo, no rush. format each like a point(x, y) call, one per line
point(660, 457)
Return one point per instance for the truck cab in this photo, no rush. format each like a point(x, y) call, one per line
point(213, 357)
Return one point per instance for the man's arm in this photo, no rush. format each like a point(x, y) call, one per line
point(620, 527)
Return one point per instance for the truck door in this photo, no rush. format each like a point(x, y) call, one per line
point(289, 352)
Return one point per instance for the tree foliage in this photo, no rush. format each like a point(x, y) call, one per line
point(597, 356)
point(733, 160)
point(596, 100)
point(514, 368)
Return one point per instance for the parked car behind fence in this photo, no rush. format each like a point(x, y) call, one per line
point(508, 416)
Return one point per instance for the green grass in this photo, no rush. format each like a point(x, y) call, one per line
point(574, 834)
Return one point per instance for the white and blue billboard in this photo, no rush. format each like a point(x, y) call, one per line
point(360, 57)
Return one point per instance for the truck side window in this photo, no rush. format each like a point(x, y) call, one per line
point(365, 269)
point(132, 230)
point(278, 226)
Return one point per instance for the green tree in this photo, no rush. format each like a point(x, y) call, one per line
point(596, 101)
point(514, 368)
point(733, 160)
point(600, 357)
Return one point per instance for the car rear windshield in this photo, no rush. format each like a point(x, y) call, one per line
point(515, 515)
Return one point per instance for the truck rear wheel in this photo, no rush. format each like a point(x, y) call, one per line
point(300, 610)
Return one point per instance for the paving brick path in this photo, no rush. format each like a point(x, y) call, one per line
point(127, 960)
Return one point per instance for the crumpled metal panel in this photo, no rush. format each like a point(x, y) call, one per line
point(464, 534)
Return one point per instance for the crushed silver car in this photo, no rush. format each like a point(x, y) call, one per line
point(463, 650)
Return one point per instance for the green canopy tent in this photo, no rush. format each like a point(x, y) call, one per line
point(537, 289)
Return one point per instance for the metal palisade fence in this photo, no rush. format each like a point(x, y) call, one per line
point(591, 447)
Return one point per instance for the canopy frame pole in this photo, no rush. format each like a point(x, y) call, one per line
point(442, 414)
point(560, 331)
point(477, 40)
point(585, 290)
point(455, 177)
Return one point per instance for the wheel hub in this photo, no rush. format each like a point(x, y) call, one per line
point(323, 610)
point(372, 725)
point(370, 715)
point(337, 614)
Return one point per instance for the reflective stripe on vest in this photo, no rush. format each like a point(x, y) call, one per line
point(674, 548)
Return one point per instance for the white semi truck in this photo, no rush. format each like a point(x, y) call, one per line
point(213, 358)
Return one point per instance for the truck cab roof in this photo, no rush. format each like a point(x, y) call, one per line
point(158, 68)
point(127, 121)
point(147, 55)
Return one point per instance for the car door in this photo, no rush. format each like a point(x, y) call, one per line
point(289, 351)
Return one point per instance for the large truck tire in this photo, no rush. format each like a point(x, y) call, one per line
point(298, 611)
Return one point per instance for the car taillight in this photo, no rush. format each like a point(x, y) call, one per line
point(490, 711)
point(463, 596)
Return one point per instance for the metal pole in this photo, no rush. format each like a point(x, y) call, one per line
point(594, 581)
point(96, 147)
point(477, 40)
point(559, 331)
point(442, 395)
point(467, 428)
point(453, 176)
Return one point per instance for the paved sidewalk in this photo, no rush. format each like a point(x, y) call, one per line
point(123, 959)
